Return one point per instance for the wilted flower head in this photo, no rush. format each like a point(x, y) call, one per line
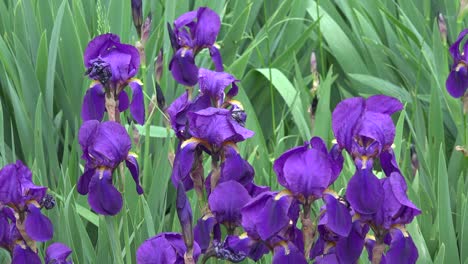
point(308, 170)
point(192, 32)
point(105, 146)
point(164, 248)
point(112, 65)
point(364, 127)
point(457, 81)
point(58, 253)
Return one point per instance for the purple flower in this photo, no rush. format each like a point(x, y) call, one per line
point(288, 253)
point(213, 83)
point(402, 248)
point(268, 215)
point(216, 127)
point(178, 110)
point(112, 65)
point(457, 81)
point(164, 248)
point(226, 202)
point(308, 170)
point(193, 31)
point(364, 127)
point(105, 146)
point(58, 253)
point(18, 192)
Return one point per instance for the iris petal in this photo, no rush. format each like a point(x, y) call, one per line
point(103, 197)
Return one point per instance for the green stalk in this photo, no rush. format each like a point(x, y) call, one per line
point(114, 239)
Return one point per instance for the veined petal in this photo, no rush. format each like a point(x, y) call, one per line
point(123, 101)
point(24, 256)
point(208, 25)
point(83, 181)
point(137, 106)
point(364, 192)
point(183, 68)
point(217, 59)
point(213, 83)
point(344, 119)
point(226, 202)
point(337, 217)
point(383, 104)
point(38, 226)
point(132, 165)
point(94, 103)
point(103, 197)
point(457, 82)
point(57, 253)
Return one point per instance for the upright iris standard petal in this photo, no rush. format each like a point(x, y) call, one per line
point(226, 202)
point(164, 248)
point(38, 226)
point(103, 197)
point(207, 29)
point(306, 171)
point(10, 188)
point(132, 165)
point(345, 118)
point(58, 253)
point(214, 83)
point(364, 192)
point(236, 168)
point(94, 103)
point(216, 126)
point(383, 104)
point(137, 106)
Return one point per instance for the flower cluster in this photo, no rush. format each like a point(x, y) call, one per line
point(210, 123)
point(22, 223)
point(112, 65)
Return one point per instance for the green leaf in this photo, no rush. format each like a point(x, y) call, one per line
point(446, 229)
point(292, 98)
point(382, 86)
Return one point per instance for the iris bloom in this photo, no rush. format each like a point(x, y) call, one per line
point(193, 31)
point(164, 248)
point(401, 248)
point(58, 253)
point(308, 170)
point(457, 81)
point(365, 129)
point(212, 129)
point(18, 192)
point(214, 83)
point(112, 65)
point(105, 145)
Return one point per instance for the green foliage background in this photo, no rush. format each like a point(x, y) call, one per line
point(363, 47)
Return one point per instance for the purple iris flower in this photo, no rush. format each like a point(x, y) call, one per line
point(214, 83)
point(178, 110)
point(18, 192)
point(390, 204)
point(457, 81)
point(105, 145)
point(58, 253)
point(112, 65)
point(308, 170)
point(226, 202)
point(164, 248)
point(193, 31)
point(288, 253)
point(364, 127)
point(401, 248)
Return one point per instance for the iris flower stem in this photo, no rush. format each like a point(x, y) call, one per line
point(215, 171)
point(378, 251)
point(128, 254)
point(199, 186)
point(307, 228)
